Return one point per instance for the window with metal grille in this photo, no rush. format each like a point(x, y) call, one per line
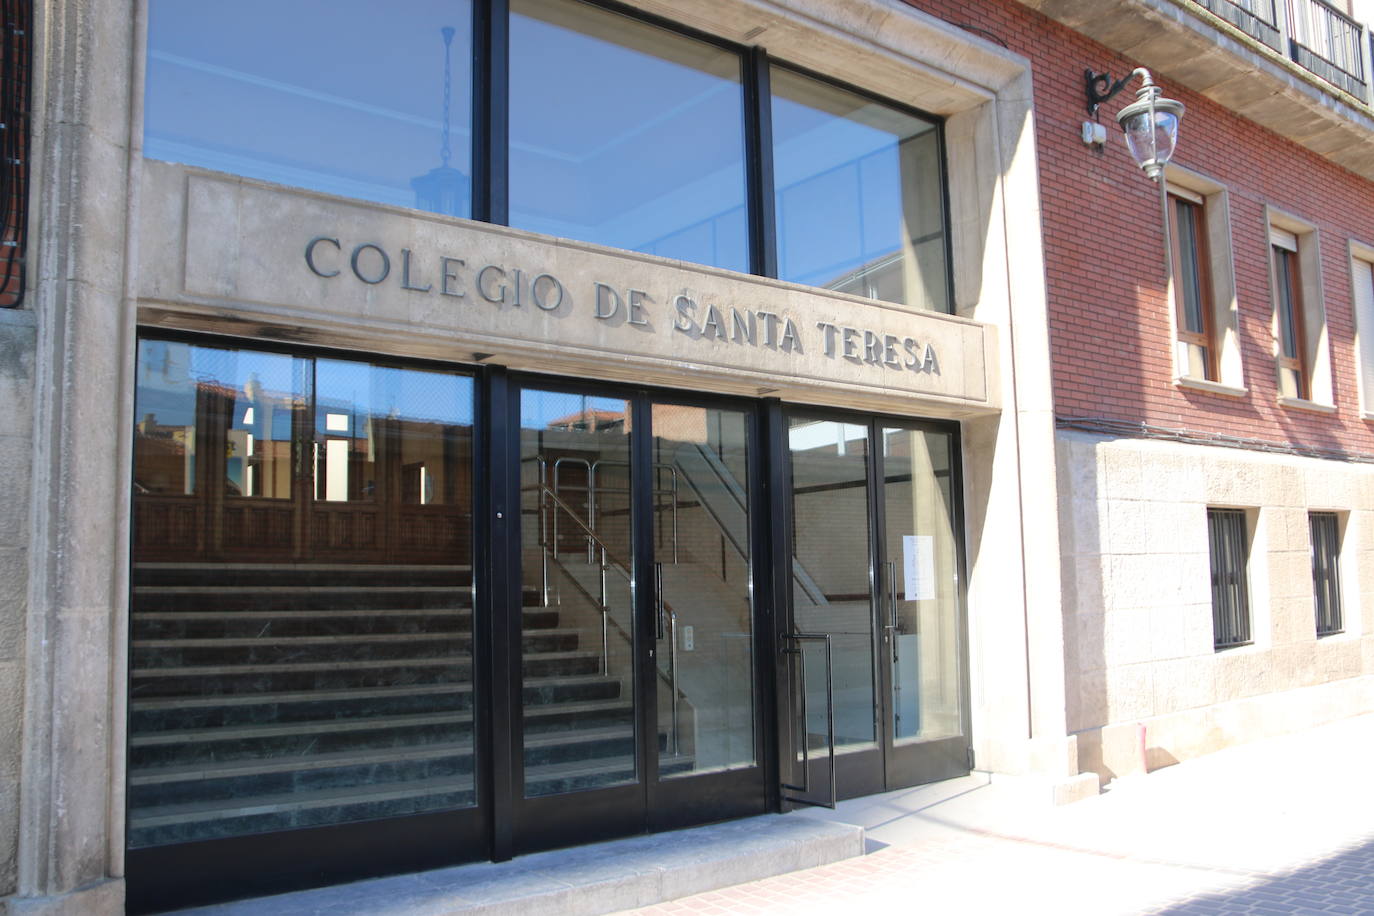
point(15, 69)
point(1326, 579)
point(1230, 555)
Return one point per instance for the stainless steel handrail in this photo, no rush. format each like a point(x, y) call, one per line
point(590, 490)
point(656, 491)
point(805, 787)
point(610, 561)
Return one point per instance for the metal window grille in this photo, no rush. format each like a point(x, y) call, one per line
point(1326, 580)
point(1230, 554)
point(15, 72)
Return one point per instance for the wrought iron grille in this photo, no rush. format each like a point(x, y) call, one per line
point(1257, 18)
point(16, 68)
point(1230, 554)
point(1328, 43)
point(1326, 580)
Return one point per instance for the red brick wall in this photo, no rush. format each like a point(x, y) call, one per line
point(1109, 319)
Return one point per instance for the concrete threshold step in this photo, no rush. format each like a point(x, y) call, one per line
point(601, 878)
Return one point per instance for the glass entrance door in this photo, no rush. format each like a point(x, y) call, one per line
point(637, 671)
point(875, 562)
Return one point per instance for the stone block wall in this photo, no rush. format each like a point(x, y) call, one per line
point(1137, 598)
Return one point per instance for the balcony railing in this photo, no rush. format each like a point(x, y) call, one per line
point(1314, 34)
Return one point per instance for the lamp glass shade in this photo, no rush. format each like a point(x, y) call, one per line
point(1151, 128)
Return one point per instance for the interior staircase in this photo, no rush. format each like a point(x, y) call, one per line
point(274, 697)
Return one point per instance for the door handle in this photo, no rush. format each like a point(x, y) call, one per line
point(658, 597)
point(891, 595)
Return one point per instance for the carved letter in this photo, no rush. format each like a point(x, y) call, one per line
point(912, 360)
point(541, 300)
point(790, 340)
point(827, 337)
point(635, 309)
point(405, 273)
point(444, 288)
point(929, 364)
point(711, 326)
point(386, 263)
point(684, 321)
point(482, 285)
point(310, 255)
point(744, 326)
point(605, 294)
point(770, 328)
point(851, 344)
point(871, 344)
point(890, 352)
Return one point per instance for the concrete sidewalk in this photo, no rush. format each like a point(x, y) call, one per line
point(1280, 826)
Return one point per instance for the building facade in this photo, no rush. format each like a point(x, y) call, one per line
point(491, 426)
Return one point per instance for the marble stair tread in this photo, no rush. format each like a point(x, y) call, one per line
point(213, 642)
point(533, 714)
point(206, 568)
point(352, 588)
point(403, 753)
point(327, 726)
point(307, 613)
point(405, 662)
point(257, 766)
point(359, 693)
point(165, 815)
point(279, 667)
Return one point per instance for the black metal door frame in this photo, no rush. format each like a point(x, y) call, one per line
point(887, 766)
point(650, 804)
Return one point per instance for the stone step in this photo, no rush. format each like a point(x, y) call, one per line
point(600, 878)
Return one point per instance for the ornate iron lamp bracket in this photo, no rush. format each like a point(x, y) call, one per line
point(1100, 88)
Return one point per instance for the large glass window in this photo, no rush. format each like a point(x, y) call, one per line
point(301, 610)
point(626, 134)
point(858, 191)
point(620, 132)
point(349, 97)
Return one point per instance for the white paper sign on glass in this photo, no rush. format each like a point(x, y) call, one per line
point(918, 566)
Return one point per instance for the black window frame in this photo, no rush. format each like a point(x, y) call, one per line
point(1324, 529)
point(491, 104)
point(491, 121)
point(1228, 539)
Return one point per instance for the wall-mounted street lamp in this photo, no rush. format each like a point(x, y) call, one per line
point(1150, 122)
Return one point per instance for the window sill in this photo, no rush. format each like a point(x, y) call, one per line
point(1303, 404)
point(1341, 635)
point(1199, 384)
